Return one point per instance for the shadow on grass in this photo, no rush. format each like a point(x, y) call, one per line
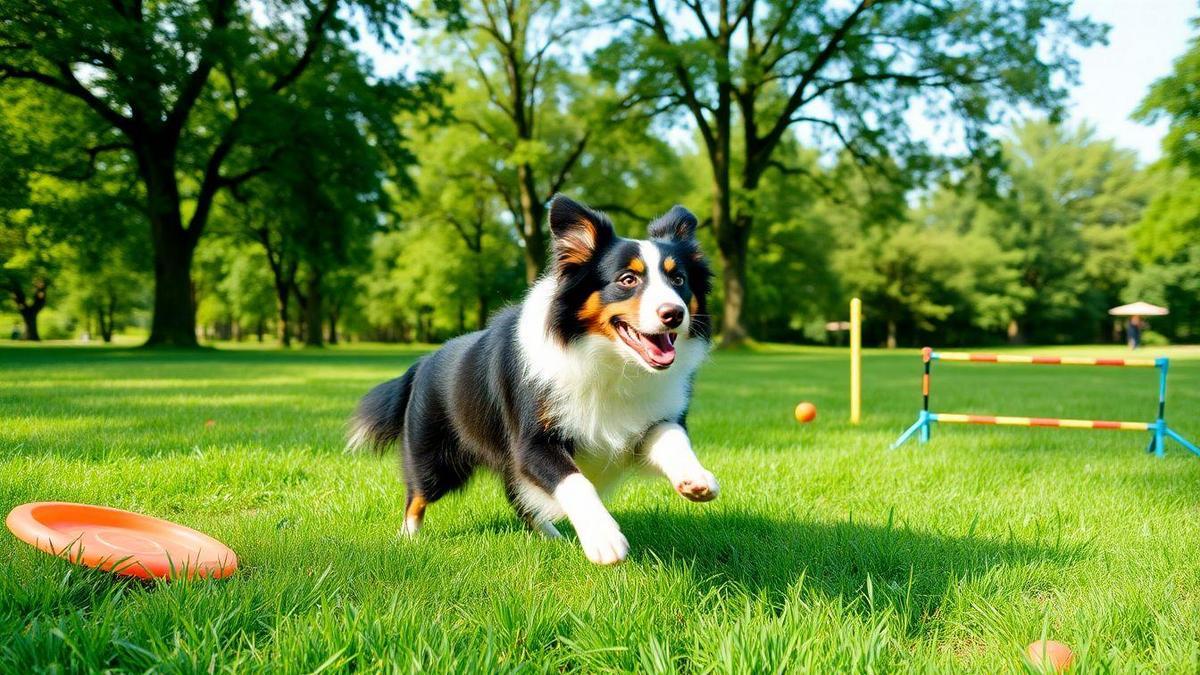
point(909, 570)
point(769, 553)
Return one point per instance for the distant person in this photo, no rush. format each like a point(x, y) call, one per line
point(1133, 331)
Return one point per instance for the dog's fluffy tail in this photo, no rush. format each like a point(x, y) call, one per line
point(378, 422)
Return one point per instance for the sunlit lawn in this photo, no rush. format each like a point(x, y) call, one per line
point(825, 552)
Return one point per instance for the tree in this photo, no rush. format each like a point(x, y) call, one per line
point(542, 118)
point(919, 279)
point(30, 259)
point(454, 190)
point(177, 85)
point(1165, 241)
point(315, 210)
point(1062, 207)
point(107, 278)
point(1176, 97)
point(848, 74)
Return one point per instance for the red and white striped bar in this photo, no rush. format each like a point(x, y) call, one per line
point(953, 418)
point(1043, 360)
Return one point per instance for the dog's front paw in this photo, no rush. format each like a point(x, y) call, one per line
point(701, 487)
point(603, 543)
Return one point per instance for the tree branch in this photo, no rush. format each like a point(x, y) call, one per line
point(194, 84)
point(771, 139)
point(569, 163)
point(71, 86)
point(685, 80)
point(316, 37)
point(90, 168)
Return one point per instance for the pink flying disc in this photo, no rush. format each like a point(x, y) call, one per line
point(121, 542)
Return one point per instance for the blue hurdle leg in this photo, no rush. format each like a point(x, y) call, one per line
point(922, 425)
point(908, 433)
point(1182, 441)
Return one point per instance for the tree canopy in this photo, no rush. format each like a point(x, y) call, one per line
point(226, 169)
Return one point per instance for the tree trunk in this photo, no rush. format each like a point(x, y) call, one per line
point(283, 299)
point(733, 235)
point(174, 320)
point(29, 308)
point(108, 317)
point(259, 329)
point(532, 232)
point(104, 323)
point(333, 331)
point(733, 282)
point(313, 320)
point(891, 334)
point(481, 311)
point(29, 315)
point(732, 244)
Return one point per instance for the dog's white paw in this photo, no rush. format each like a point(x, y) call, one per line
point(603, 543)
point(701, 487)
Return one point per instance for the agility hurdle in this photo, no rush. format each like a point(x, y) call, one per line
point(1158, 429)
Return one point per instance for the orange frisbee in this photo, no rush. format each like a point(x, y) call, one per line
point(121, 542)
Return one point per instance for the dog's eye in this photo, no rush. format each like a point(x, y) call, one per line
point(677, 280)
point(628, 280)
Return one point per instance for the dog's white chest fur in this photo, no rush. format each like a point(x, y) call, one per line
point(599, 396)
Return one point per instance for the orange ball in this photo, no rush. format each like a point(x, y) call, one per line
point(1045, 653)
point(806, 412)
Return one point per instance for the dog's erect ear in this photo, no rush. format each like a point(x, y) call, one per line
point(677, 224)
point(578, 231)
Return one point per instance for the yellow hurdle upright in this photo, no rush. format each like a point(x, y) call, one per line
point(855, 360)
point(1158, 428)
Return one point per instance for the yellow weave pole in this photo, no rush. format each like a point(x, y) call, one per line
point(855, 360)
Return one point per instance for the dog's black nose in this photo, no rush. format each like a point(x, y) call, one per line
point(671, 315)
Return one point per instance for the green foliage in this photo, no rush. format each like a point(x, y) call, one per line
point(1060, 211)
point(205, 96)
point(234, 284)
point(1176, 98)
point(848, 74)
point(931, 281)
point(1171, 221)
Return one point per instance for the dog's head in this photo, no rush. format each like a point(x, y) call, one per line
point(642, 295)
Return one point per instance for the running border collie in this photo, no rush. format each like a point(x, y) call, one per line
point(588, 378)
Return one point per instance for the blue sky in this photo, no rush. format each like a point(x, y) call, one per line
point(1145, 38)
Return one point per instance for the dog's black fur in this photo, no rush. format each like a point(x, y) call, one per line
point(473, 404)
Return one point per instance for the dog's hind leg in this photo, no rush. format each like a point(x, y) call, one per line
point(434, 465)
point(414, 513)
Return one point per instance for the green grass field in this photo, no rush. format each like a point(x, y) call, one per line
point(825, 552)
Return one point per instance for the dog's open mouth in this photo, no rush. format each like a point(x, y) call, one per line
point(658, 351)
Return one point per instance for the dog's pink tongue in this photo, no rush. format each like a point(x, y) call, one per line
point(659, 349)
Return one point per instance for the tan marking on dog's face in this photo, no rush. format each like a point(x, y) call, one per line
point(577, 246)
point(669, 264)
point(637, 265)
point(693, 306)
point(597, 316)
